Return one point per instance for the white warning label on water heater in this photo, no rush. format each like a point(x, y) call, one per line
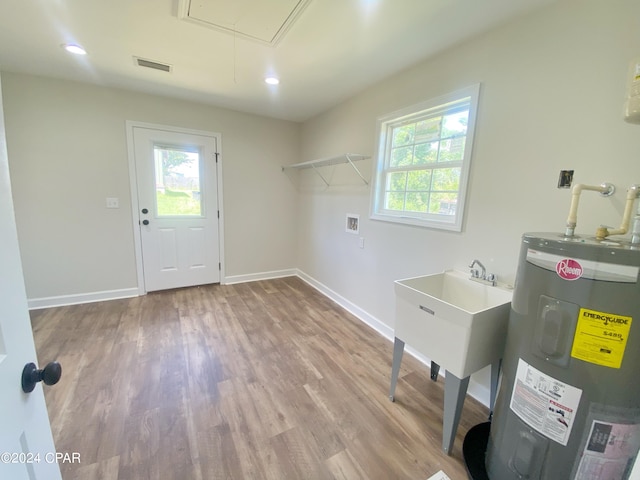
point(545, 404)
point(609, 450)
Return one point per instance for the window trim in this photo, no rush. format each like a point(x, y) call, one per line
point(452, 223)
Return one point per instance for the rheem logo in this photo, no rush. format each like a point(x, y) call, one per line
point(569, 269)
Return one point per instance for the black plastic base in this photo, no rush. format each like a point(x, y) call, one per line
point(474, 449)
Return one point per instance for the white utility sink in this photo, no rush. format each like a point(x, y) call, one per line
point(460, 325)
point(456, 322)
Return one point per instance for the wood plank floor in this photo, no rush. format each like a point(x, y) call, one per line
point(262, 380)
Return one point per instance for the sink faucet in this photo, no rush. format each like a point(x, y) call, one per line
point(482, 276)
point(475, 273)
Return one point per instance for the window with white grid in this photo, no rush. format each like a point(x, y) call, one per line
point(423, 161)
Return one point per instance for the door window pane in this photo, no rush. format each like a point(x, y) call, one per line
point(178, 190)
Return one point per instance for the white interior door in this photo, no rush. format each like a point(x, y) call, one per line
point(176, 178)
point(26, 444)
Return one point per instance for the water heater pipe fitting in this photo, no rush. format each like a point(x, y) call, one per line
point(605, 189)
point(603, 232)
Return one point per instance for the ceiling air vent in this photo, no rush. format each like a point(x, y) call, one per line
point(142, 62)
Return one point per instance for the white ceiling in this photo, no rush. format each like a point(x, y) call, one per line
point(330, 49)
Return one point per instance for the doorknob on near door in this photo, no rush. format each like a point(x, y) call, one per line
point(31, 375)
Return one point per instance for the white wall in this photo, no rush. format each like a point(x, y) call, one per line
point(553, 86)
point(68, 152)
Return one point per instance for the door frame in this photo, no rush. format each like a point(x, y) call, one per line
point(135, 208)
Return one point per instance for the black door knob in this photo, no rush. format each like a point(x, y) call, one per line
point(50, 375)
point(145, 211)
point(145, 222)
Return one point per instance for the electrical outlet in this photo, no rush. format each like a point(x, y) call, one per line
point(565, 178)
point(113, 202)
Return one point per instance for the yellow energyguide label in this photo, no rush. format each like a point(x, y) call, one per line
point(601, 338)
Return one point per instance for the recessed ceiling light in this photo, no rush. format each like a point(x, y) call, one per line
point(272, 80)
point(74, 48)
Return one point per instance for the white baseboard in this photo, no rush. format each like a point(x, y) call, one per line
point(476, 390)
point(380, 327)
point(76, 299)
point(253, 277)
point(63, 300)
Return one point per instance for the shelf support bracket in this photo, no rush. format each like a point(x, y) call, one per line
point(320, 175)
point(356, 169)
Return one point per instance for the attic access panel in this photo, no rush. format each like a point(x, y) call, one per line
point(265, 21)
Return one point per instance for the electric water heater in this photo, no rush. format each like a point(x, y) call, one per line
point(569, 402)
